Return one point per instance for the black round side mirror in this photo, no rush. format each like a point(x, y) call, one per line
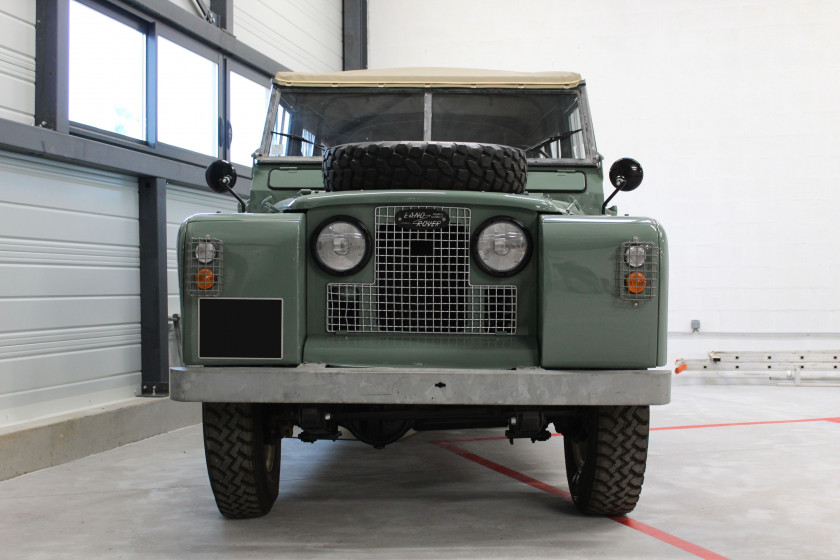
point(220, 176)
point(626, 174)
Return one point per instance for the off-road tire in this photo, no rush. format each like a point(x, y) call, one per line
point(425, 165)
point(606, 452)
point(243, 462)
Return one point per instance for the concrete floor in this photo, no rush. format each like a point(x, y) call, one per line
point(767, 489)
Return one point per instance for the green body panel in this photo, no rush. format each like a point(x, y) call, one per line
point(291, 177)
point(567, 180)
point(264, 258)
point(584, 323)
point(569, 310)
point(664, 274)
point(347, 199)
point(277, 184)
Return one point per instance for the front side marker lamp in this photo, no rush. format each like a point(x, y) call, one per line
point(341, 245)
point(635, 256)
point(204, 279)
point(204, 261)
point(204, 252)
point(502, 246)
point(635, 282)
point(638, 270)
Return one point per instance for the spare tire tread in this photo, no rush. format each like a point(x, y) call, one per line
point(425, 165)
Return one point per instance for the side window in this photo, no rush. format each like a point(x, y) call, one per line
point(280, 143)
point(188, 94)
point(107, 73)
point(576, 140)
point(248, 105)
point(307, 149)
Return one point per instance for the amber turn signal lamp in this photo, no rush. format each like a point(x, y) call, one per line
point(204, 279)
point(635, 282)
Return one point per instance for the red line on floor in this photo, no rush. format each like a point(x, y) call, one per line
point(694, 549)
point(691, 548)
point(644, 528)
point(554, 491)
point(746, 424)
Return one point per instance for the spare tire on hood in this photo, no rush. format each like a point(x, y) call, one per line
point(424, 165)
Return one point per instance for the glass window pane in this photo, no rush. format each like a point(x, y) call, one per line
point(107, 73)
point(334, 118)
point(520, 119)
point(248, 105)
point(188, 112)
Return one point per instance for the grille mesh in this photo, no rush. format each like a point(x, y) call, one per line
point(421, 284)
point(650, 269)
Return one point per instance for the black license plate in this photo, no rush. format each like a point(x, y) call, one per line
point(240, 328)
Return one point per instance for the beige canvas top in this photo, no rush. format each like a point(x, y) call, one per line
point(430, 78)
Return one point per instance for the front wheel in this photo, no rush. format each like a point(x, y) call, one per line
point(243, 458)
point(606, 452)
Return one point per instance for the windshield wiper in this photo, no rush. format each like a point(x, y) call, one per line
point(552, 138)
point(302, 139)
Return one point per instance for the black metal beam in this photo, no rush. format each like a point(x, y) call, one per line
point(224, 13)
point(52, 75)
point(354, 13)
point(154, 326)
point(41, 142)
point(193, 26)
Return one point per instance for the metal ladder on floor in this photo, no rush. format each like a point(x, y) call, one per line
point(808, 368)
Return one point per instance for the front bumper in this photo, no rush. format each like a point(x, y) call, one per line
point(317, 383)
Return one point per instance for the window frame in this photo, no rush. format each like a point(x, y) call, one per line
point(153, 18)
point(591, 155)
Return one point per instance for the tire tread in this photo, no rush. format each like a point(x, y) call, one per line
point(620, 458)
point(425, 165)
point(234, 461)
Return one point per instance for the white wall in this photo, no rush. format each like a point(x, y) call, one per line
point(304, 36)
point(732, 109)
point(17, 60)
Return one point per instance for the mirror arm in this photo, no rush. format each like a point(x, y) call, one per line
point(226, 182)
point(615, 192)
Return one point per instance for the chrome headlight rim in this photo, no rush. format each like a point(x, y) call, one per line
point(529, 248)
point(313, 245)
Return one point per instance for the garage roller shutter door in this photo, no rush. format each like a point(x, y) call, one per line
point(69, 288)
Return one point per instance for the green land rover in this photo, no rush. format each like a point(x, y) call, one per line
point(424, 249)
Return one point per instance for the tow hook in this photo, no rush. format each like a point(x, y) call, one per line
point(316, 425)
point(529, 425)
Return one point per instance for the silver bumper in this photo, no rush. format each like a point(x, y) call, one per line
point(316, 383)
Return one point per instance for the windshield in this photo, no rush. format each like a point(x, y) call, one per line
point(548, 124)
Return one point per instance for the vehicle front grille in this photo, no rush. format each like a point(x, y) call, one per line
point(422, 284)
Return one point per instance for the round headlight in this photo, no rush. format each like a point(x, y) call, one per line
point(502, 246)
point(341, 246)
point(204, 252)
point(635, 255)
